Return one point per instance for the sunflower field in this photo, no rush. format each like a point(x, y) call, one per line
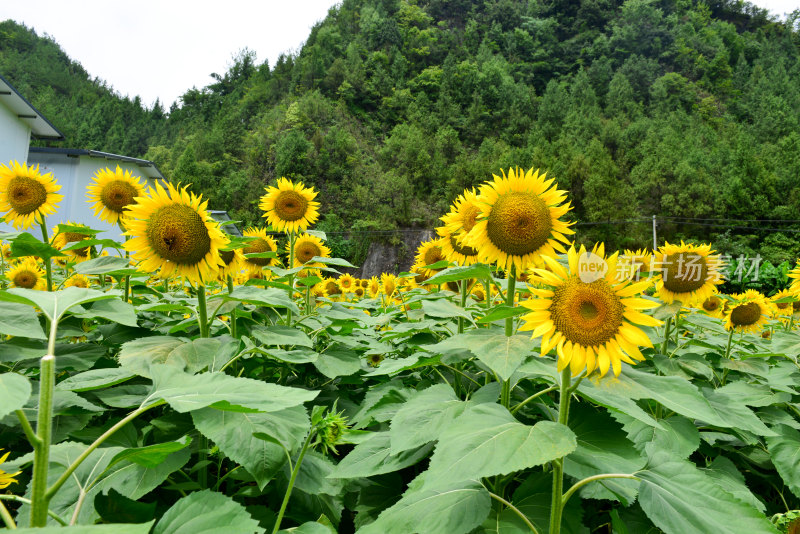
point(185, 381)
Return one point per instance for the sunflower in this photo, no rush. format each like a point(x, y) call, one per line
point(78, 280)
point(65, 239)
point(463, 214)
point(318, 290)
point(714, 306)
point(347, 283)
point(5, 250)
point(689, 273)
point(388, 284)
point(233, 262)
point(332, 288)
point(591, 324)
point(6, 479)
point(27, 274)
point(454, 251)
point(171, 230)
point(632, 263)
point(26, 195)
point(782, 309)
point(307, 247)
point(519, 220)
point(428, 253)
point(374, 287)
point(794, 274)
point(290, 207)
point(748, 312)
point(263, 244)
point(112, 192)
point(359, 292)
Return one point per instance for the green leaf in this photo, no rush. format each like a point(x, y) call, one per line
point(727, 477)
point(784, 450)
point(113, 310)
point(375, 457)
point(138, 355)
point(18, 319)
point(282, 335)
point(103, 265)
point(116, 528)
point(207, 512)
point(233, 433)
point(423, 417)
point(444, 309)
point(15, 390)
point(27, 245)
point(337, 362)
point(602, 448)
point(55, 304)
point(271, 297)
point(149, 456)
point(186, 392)
point(486, 440)
point(453, 274)
point(339, 262)
point(310, 528)
point(677, 435)
point(679, 498)
point(95, 379)
point(501, 312)
point(454, 508)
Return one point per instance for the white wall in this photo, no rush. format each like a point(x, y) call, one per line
point(74, 174)
point(15, 137)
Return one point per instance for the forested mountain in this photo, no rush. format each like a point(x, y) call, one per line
point(674, 108)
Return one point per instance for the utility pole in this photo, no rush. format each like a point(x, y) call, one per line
point(655, 238)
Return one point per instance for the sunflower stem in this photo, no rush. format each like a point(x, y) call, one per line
point(7, 519)
point(291, 277)
point(463, 290)
point(578, 485)
point(728, 348)
point(48, 266)
point(667, 327)
point(516, 510)
point(44, 427)
point(202, 310)
point(556, 503)
point(289, 489)
point(233, 311)
point(487, 287)
point(505, 394)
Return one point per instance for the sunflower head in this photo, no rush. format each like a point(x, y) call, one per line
point(307, 247)
point(232, 263)
point(428, 253)
point(171, 230)
point(70, 237)
point(27, 274)
point(520, 220)
point(463, 215)
point(290, 207)
point(332, 288)
point(714, 306)
point(590, 320)
point(78, 280)
point(782, 303)
point(347, 284)
point(388, 284)
point(6, 479)
point(110, 192)
point(633, 263)
point(454, 250)
point(689, 273)
point(747, 313)
point(374, 286)
point(26, 195)
point(261, 244)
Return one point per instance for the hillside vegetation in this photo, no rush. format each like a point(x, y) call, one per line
point(671, 108)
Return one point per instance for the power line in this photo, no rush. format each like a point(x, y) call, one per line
point(788, 221)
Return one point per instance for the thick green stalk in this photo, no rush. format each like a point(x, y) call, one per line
point(728, 348)
point(48, 264)
point(463, 290)
point(505, 394)
point(289, 489)
point(664, 344)
point(556, 506)
point(291, 277)
point(202, 310)
point(233, 311)
point(578, 485)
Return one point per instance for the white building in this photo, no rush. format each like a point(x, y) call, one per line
point(19, 120)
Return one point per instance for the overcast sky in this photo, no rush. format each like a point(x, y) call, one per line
point(161, 48)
